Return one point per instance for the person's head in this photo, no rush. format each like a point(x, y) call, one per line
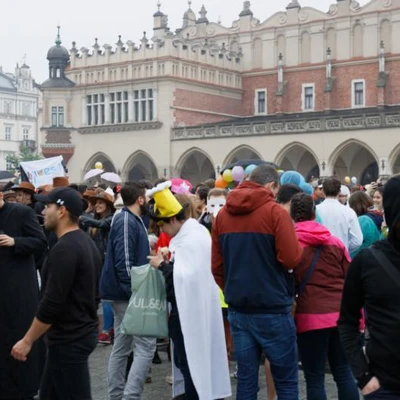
point(1, 199)
point(216, 201)
point(360, 202)
point(171, 226)
point(391, 205)
point(302, 208)
point(201, 197)
point(344, 194)
point(64, 206)
point(210, 183)
point(318, 189)
point(24, 193)
point(103, 203)
point(10, 197)
point(267, 177)
point(285, 195)
point(377, 198)
point(134, 197)
point(332, 187)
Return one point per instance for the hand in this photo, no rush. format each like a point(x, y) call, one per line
point(372, 386)
point(6, 241)
point(21, 350)
point(156, 261)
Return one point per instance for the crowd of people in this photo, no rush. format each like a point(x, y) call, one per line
point(275, 270)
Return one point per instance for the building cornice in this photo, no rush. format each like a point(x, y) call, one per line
point(142, 126)
point(57, 146)
point(196, 110)
point(344, 120)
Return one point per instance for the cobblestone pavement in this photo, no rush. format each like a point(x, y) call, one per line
point(159, 389)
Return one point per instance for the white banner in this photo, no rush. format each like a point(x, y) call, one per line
point(42, 172)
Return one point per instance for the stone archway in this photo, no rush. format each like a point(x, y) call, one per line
point(108, 165)
point(195, 166)
point(242, 153)
point(354, 158)
point(394, 160)
point(140, 166)
point(300, 158)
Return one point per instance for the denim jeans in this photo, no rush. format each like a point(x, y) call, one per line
point(66, 373)
point(143, 349)
point(315, 347)
point(273, 334)
point(180, 359)
point(108, 316)
point(383, 394)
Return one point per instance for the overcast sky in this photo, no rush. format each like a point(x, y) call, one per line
point(29, 27)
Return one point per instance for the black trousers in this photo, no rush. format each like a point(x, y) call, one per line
point(175, 333)
point(66, 373)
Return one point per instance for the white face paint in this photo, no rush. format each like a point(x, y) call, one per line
point(215, 204)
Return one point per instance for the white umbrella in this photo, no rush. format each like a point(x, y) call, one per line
point(92, 173)
point(111, 177)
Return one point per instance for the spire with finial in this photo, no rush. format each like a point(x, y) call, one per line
point(58, 39)
point(203, 15)
point(144, 39)
point(293, 4)
point(159, 13)
point(120, 42)
point(96, 44)
point(246, 10)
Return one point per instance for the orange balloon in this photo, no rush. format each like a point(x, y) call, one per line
point(220, 183)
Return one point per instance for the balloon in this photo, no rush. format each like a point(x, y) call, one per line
point(237, 174)
point(354, 180)
point(347, 180)
point(249, 169)
point(98, 165)
point(228, 176)
point(220, 183)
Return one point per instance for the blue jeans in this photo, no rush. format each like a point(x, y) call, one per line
point(273, 334)
point(315, 347)
point(108, 316)
point(383, 394)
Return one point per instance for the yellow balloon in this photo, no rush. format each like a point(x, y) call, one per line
point(227, 175)
point(98, 165)
point(347, 179)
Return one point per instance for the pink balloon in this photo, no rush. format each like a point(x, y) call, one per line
point(237, 173)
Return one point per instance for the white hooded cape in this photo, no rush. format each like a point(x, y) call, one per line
point(200, 314)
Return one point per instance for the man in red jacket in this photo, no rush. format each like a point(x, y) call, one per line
point(255, 249)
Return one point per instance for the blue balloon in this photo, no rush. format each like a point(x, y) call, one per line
point(250, 169)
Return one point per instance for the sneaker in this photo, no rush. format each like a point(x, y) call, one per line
point(104, 338)
point(169, 379)
point(234, 375)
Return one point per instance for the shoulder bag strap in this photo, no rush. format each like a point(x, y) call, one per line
point(387, 265)
point(310, 271)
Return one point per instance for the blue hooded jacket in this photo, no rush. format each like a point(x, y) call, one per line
point(127, 247)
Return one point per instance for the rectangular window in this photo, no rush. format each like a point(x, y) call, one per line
point(9, 165)
point(95, 109)
point(25, 134)
point(143, 105)
point(308, 97)
point(260, 102)
point(7, 133)
point(119, 107)
point(358, 93)
point(57, 116)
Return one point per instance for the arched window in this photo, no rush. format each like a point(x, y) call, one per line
point(331, 42)
point(58, 72)
point(358, 46)
point(305, 48)
point(386, 35)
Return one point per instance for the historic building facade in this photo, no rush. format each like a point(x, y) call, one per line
point(310, 90)
point(19, 102)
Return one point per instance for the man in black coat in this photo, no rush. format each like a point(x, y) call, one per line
point(20, 238)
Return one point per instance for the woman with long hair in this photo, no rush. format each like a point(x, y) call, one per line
point(98, 229)
point(370, 220)
point(320, 278)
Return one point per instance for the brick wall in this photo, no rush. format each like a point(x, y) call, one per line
point(206, 103)
point(340, 95)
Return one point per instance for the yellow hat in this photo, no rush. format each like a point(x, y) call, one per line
point(166, 205)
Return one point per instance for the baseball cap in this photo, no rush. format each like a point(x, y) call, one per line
point(67, 197)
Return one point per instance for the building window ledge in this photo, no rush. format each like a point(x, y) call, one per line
point(140, 126)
